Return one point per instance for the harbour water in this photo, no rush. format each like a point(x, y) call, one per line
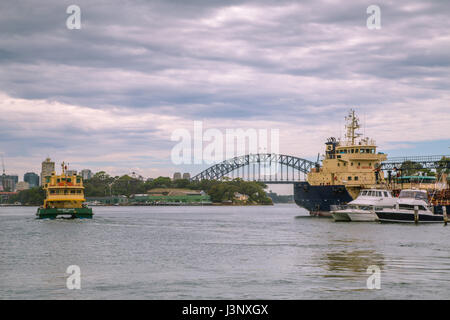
point(253, 252)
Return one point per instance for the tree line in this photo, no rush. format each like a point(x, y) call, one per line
point(102, 184)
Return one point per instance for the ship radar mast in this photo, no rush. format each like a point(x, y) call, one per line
point(351, 126)
point(63, 167)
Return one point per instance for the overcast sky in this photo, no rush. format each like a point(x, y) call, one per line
point(109, 96)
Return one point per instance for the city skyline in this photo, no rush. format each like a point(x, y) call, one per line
point(109, 96)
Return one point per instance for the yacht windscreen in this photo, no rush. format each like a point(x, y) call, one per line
point(414, 195)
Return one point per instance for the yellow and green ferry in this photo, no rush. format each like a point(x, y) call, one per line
point(64, 196)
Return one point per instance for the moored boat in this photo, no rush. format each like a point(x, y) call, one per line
point(64, 196)
point(362, 209)
point(412, 207)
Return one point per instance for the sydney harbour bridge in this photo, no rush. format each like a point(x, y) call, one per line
point(271, 168)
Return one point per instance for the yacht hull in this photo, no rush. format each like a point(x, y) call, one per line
point(340, 216)
point(403, 217)
point(363, 217)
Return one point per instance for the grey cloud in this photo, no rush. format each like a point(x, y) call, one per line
point(282, 60)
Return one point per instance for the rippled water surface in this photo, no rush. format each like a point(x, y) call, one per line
point(260, 252)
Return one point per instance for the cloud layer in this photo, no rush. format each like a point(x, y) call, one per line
point(109, 95)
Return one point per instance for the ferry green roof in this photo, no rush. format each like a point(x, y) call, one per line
point(418, 177)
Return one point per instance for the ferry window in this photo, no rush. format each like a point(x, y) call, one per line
point(367, 150)
point(370, 193)
point(52, 191)
point(78, 191)
point(359, 163)
point(345, 164)
point(385, 194)
point(349, 178)
point(362, 150)
point(352, 163)
point(69, 180)
point(356, 178)
point(353, 150)
point(58, 180)
point(78, 180)
point(72, 191)
point(339, 164)
point(378, 193)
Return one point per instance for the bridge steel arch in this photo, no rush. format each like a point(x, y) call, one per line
point(221, 169)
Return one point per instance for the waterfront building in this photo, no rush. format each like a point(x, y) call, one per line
point(186, 175)
point(48, 167)
point(32, 179)
point(108, 200)
point(22, 185)
point(4, 196)
point(172, 196)
point(86, 174)
point(177, 176)
point(71, 172)
point(8, 182)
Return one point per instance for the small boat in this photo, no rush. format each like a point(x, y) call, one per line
point(362, 209)
point(64, 196)
point(412, 206)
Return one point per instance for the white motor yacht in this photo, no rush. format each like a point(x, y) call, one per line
point(364, 206)
point(410, 202)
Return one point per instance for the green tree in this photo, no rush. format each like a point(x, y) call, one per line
point(410, 168)
point(34, 196)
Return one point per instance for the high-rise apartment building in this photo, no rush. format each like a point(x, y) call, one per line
point(32, 179)
point(48, 167)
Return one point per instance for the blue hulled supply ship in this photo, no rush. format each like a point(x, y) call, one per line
point(347, 167)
